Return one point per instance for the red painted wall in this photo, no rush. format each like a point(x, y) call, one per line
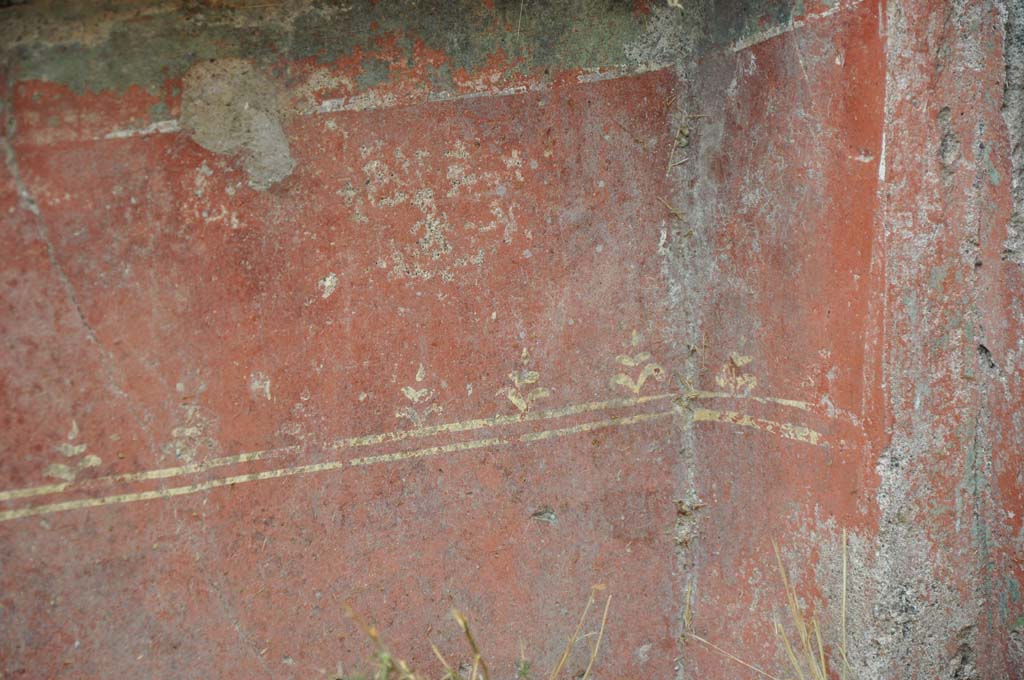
point(491, 343)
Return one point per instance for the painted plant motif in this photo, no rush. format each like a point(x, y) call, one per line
point(643, 361)
point(419, 407)
point(72, 451)
point(523, 393)
point(731, 377)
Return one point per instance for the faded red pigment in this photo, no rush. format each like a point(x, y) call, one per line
point(488, 345)
point(484, 259)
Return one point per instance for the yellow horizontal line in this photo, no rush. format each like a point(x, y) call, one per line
point(427, 452)
point(118, 499)
point(596, 425)
point(793, 403)
point(165, 493)
point(787, 430)
point(494, 421)
point(144, 476)
point(337, 445)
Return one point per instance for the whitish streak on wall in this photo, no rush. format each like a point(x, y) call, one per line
point(157, 128)
point(372, 101)
point(775, 31)
point(327, 285)
point(259, 385)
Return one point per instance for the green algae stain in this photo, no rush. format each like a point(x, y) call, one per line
point(158, 112)
point(937, 277)
point(441, 77)
point(994, 178)
point(148, 49)
point(564, 33)
point(143, 54)
point(375, 72)
point(735, 20)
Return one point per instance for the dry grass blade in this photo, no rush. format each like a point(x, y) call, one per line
point(790, 654)
point(478, 662)
point(688, 633)
point(371, 631)
point(676, 212)
point(600, 634)
point(821, 649)
point(571, 642)
point(812, 652)
point(386, 666)
point(449, 672)
point(732, 657)
point(386, 662)
point(798, 622)
point(806, 653)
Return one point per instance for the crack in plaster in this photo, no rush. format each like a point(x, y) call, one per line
point(29, 203)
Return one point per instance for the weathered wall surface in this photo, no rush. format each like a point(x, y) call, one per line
point(951, 496)
point(419, 305)
point(855, 192)
point(786, 199)
point(335, 305)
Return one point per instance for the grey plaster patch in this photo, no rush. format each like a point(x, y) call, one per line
point(230, 108)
